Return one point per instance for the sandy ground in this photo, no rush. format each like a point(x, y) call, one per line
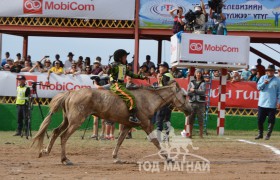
point(229, 159)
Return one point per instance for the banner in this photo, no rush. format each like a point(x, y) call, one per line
point(242, 15)
point(208, 48)
point(239, 95)
point(87, 9)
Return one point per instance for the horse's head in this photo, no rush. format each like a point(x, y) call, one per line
point(180, 99)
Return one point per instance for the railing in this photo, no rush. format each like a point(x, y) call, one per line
point(65, 22)
point(212, 110)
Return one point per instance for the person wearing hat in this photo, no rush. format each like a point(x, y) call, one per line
point(196, 92)
point(56, 69)
point(74, 70)
point(164, 114)
point(117, 73)
point(269, 101)
point(8, 65)
point(23, 93)
point(16, 66)
point(253, 76)
point(97, 69)
point(68, 63)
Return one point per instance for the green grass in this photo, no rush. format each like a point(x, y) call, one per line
point(252, 27)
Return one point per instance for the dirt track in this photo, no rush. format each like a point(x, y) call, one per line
point(229, 159)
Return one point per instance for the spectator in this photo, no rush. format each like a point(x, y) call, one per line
point(4, 61)
point(57, 58)
point(56, 69)
point(80, 64)
point(144, 70)
point(196, 92)
point(27, 67)
point(18, 57)
point(68, 63)
point(245, 75)
point(97, 69)
point(269, 101)
point(153, 72)
point(74, 70)
point(28, 58)
point(38, 67)
point(148, 62)
point(216, 75)
point(178, 24)
point(132, 62)
point(206, 72)
point(260, 68)
point(176, 72)
point(98, 59)
point(235, 77)
point(87, 62)
point(87, 70)
point(8, 65)
point(129, 67)
point(16, 67)
point(47, 65)
point(253, 76)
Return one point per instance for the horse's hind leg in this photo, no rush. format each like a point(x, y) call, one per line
point(122, 136)
point(56, 132)
point(64, 137)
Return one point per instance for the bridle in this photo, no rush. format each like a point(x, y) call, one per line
point(181, 103)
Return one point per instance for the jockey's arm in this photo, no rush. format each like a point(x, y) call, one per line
point(135, 76)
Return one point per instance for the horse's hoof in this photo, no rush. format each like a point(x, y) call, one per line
point(67, 162)
point(115, 156)
point(117, 161)
point(43, 152)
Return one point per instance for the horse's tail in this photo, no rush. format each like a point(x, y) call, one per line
point(56, 103)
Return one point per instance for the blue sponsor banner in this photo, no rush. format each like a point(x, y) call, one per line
point(242, 15)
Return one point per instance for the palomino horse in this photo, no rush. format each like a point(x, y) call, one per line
point(77, 105)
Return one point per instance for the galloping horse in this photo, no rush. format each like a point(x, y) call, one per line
point(77, 105)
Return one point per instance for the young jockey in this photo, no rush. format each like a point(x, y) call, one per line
point(117, 74)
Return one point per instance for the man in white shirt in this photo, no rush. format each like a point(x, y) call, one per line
point(68, 63)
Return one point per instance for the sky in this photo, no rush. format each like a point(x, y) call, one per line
point(92, 47)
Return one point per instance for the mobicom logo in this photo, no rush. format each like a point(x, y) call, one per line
point(33, 6)
point(198, 47)
point(37, 6)
point(29, 80)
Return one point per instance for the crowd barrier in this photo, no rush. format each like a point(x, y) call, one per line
point(242, 97)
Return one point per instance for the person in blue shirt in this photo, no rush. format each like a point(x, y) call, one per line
point(245, 74)
point(4, 61)
point(276, 20)
point(269, 101)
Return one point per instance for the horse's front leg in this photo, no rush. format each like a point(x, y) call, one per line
point(122, 136)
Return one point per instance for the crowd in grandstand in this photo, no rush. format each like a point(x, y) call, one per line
point(85, 66)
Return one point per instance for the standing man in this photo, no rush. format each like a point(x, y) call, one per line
point(196, 92)
point(23, 93)
point(68, 63)
point(269, 100)
point(260, 68)
point(164, 114)
point(4, 61)
point(148, 62)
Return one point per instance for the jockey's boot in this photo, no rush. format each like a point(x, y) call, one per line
point(133, 118)
point(270, 128)
point(260, 135)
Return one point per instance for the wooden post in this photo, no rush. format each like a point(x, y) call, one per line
point(25, 47)
point(136, 47)
point(159, 58)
